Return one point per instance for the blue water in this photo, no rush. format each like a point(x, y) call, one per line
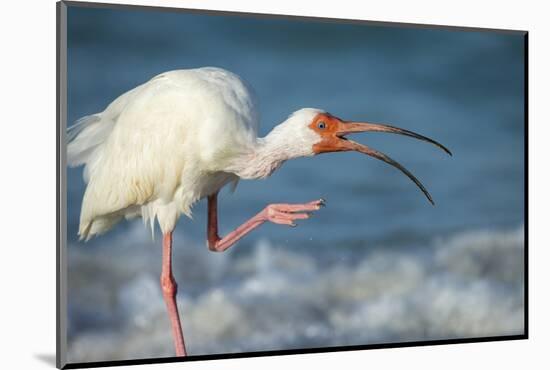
point(464, 89)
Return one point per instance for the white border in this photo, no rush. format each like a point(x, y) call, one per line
point(28, 182)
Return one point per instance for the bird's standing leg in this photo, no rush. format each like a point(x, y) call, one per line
point(284, 214)
point(169, 291)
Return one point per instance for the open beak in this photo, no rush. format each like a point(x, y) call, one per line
point(341, 143)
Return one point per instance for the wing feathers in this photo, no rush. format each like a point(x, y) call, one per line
point(84, 137)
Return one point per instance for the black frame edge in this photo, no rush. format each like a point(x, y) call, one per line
point(57, 192)
point(61, 104)
point(526, 181)
point(302, 351)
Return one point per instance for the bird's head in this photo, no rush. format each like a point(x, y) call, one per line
point(313, 131)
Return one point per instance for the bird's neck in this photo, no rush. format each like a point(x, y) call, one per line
point(265, 156)
point(260, 161)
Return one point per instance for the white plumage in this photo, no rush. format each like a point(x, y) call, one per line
point(162, 146)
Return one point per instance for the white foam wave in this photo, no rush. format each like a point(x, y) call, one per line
point(466, 285)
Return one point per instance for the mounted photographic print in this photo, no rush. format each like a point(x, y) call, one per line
point(235, 184)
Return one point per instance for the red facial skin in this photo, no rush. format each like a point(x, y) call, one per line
point(330, 142)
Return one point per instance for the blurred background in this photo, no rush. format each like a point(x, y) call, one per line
point(379, 264)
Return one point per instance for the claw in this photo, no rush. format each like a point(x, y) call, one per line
point(322, 202)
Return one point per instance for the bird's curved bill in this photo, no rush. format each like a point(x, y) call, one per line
point(345, 128)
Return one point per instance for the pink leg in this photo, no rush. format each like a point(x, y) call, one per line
point(169, 291)
point(283, 214)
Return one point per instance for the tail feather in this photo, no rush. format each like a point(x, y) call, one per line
point(98, 226)
point(81, 124)
point(84, 137)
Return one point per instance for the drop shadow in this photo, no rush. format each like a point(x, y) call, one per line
point(47, 358)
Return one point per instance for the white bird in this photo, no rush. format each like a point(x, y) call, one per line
point(180, 137)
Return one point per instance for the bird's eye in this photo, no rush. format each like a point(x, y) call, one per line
point(321, 125)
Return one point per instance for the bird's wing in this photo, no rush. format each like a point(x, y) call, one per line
point(162, 136)
point(86, 136)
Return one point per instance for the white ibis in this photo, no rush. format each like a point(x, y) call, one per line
point(159, 148)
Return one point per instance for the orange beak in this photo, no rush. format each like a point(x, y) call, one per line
point(334, 140)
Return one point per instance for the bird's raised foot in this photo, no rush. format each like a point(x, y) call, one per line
point(287, 214)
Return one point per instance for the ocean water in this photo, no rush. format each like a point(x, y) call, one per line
point(464, 285)
point(379, 264)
